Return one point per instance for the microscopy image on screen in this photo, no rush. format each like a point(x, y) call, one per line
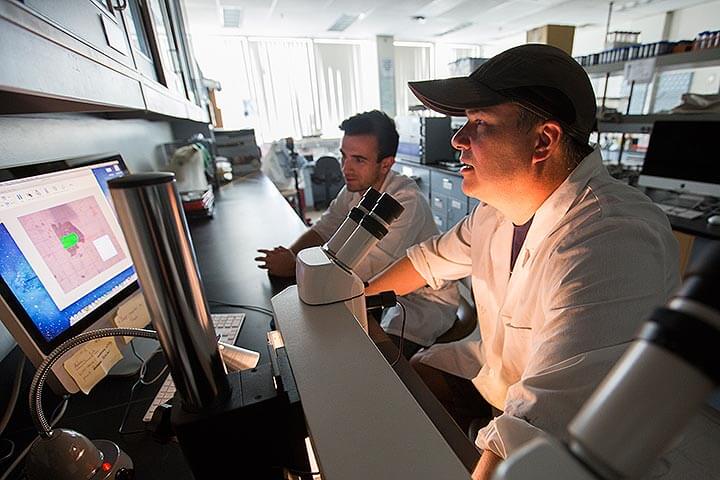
point(75, 241)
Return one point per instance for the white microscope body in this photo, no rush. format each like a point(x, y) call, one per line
point(325, 274)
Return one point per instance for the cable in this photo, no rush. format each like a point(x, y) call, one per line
point(402, 335)
point(11, 450)
point(56, 417)
point(140, 381)
point(144, 365)
point(253, 308)
point(42, 372)
point(127, 410)
point(14, 395)
point(299, 472)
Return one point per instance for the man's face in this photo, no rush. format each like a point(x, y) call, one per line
point(495, 151)
point(360, 164)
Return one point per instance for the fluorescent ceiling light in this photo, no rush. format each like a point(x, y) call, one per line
point(412, 44)
point(456, 28)
point(343, 22)
point(232, 17)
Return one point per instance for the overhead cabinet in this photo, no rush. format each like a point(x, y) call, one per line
point(97, 56)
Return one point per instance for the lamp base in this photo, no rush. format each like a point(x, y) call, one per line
point(69, 455)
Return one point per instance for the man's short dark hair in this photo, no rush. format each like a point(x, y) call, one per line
point(573, 149)
point(377, 124)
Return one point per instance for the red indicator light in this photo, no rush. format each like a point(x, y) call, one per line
point(106, 466)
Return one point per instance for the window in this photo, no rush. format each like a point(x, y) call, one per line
point(413, 61)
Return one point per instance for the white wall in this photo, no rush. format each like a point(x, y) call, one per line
point(690, 21)
point(592, 39)
point(493, 48)
point(685, 25)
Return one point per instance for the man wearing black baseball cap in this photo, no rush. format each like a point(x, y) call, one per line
point(565, 261)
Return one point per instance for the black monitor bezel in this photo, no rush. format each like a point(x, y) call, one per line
point(30, 170)
point(682, 131)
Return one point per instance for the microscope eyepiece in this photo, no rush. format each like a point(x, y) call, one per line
point(370, 230)
point(375, 228)
point(387, 208)
point(369, 199)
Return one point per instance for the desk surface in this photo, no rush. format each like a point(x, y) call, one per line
point(250, 214)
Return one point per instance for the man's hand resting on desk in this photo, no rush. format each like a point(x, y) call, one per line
point(279, 261)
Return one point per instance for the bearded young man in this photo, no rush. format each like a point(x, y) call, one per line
point(368, 150)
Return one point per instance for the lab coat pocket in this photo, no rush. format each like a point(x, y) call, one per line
point(517, 322)
point(518, 341)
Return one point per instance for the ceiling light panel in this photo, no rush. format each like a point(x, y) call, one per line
point(232, 17)
point(343, 22)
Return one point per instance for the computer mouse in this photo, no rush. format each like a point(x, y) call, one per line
point(714, 220)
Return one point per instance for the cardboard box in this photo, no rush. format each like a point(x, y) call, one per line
point(560, 36)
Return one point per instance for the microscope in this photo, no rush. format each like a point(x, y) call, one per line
point(325, 274)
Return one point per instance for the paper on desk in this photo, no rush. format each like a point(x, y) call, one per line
point(91, 362)
point(132, 314)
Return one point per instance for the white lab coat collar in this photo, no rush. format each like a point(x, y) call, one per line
point(556, 206)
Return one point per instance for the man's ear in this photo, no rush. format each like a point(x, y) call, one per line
point(547, 141)
point(386, 163)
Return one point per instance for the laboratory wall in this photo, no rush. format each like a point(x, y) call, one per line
point(684, 24)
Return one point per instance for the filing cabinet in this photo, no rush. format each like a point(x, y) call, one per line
point(421, 175)
point(443, 189)
point(446, 183)
point(448, 202)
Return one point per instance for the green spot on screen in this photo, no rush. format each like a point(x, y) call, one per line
point(69, 240)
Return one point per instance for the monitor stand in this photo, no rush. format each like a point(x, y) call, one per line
point(130, 364)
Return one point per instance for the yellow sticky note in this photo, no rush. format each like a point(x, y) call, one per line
point(92, 361)
point(133, 313)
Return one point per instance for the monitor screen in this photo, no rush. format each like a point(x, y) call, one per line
point(64, 261)
point(683, 156)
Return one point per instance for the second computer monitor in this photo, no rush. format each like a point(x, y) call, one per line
point(682, 156)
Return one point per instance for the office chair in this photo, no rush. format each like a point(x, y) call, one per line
point(327, 180)
point(465, 323)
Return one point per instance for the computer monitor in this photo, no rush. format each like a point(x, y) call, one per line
point(64, 263)
point(682, 157)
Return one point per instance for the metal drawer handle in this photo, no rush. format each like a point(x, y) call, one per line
point(447, 184)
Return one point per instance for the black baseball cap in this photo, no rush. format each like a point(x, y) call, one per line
point(540, 78)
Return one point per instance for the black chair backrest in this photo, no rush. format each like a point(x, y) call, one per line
point(327, 169)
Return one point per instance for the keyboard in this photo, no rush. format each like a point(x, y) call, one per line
point(681, 212)
point(227, 326)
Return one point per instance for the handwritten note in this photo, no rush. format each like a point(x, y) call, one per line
point(132, 314)
point(91, 362)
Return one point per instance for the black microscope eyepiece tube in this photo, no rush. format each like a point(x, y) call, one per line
point(374, 227)
point(369, 199)
point(702, 278)
point(352, 220)
point(371, 229)
point(387, 208)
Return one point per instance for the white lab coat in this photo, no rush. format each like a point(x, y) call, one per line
point(597, 258)
point(430, 312)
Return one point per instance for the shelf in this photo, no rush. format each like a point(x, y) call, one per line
point(644, 123)
point(693, 59)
